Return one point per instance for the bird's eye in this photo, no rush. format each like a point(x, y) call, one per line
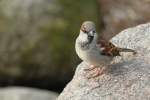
point(94, 32)
point(84, 31)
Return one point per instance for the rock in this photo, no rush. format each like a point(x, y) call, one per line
point(120, 14)
point(23, 93)
point(137, 38)
point(126, 79)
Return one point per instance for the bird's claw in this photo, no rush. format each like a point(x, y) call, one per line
point(92, 67)
point(97, 72)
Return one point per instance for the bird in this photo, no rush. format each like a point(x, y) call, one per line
point(97, 53)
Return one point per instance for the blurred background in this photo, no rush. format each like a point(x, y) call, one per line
point(37, 37)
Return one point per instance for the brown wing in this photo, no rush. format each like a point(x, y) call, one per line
point(109, 48)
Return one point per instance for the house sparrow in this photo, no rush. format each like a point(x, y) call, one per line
point(96, 53)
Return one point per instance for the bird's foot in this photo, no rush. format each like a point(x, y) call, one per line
point(96, 72)
point(92, 67)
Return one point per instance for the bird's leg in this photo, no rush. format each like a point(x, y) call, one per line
point(92, 67)
point(98, 71)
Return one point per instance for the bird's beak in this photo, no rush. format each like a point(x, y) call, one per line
point(90, 36)
point(91, 33)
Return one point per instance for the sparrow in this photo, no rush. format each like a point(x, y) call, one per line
point(97, 53)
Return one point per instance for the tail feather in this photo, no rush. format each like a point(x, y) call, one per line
point(127, 50)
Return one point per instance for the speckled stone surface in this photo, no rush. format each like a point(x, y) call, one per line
point(128, 78)
point(137, 38)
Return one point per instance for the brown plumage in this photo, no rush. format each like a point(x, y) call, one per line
point(110, 49)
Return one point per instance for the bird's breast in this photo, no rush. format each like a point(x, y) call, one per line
point(80, 52)
point(92, 56)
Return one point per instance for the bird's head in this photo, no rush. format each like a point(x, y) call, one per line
point(88, 32)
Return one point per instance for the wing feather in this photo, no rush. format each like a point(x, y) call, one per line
point(108, 48)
